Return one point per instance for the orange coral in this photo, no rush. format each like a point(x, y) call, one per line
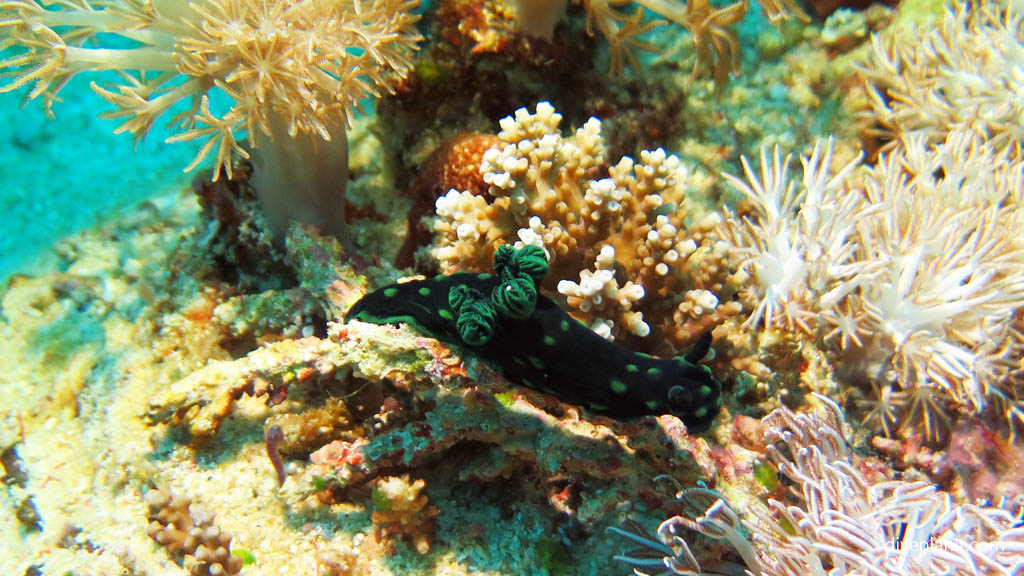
point(402, 510)
point(454, 164)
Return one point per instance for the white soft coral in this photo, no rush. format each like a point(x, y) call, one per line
point(917, 255)
point(794, 239)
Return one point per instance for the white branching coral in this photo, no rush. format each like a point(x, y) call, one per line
point(599, 293)
point(841, 523)
point(916, 258)
point(616, 236)
point(966, 74)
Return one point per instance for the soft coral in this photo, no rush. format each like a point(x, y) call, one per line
point(293, 72)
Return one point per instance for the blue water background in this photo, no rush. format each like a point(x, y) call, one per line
point(62, 175)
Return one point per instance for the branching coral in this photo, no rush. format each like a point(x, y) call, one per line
point(842, 522)
point(622, 235)
point(187, 529)
point(292, 73)
point(403, 510)
point(847, 255)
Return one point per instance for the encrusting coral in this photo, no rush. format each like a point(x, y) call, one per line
point(292, 73)
point(840, 520)
point(624, 235)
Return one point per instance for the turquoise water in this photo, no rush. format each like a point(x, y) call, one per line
point(62, 175)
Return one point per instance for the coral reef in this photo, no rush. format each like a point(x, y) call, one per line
point(125, 330)
point(409, 403)
point(184, 354)
point(844, 255)
point(954, 77)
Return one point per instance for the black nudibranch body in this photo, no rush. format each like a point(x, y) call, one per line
point(530, 340)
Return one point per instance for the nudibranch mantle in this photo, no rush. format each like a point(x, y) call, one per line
point(530, 340)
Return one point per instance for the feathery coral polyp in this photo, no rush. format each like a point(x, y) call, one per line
point(835, 520)
point(849, 253)
point(290, 70)
point(710, 25)
point(308, 62)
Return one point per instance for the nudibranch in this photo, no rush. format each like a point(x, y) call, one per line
point(530, 340)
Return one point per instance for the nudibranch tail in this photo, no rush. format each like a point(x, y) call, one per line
point(530, 340)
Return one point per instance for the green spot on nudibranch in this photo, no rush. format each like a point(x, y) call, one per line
point(484, 276)
point(705, 390)
point(564, 325)
point(536, 362)
point(618, 386)
point(424, 291)
point(390, 292)
point(246, 556)
point(701, 412)
point(653, 372)
point(445, 313)
point(652, 404)
point(549, 341)
point(506, 399)
point(632, 368)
